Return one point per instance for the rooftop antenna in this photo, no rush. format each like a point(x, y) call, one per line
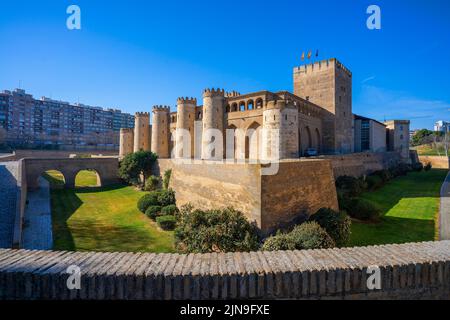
point(20, 84)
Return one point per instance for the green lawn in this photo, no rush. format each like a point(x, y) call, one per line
point(410, 211)
point(103, 219)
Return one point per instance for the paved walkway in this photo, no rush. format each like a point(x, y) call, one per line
point(445, 210)
point(37, 232)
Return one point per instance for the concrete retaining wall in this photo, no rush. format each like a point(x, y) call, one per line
point(411, 271)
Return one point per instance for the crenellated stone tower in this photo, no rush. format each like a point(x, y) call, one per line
point(126, 144)
point(280, 134)
point(161, 131)
point(141, 132)
point(213, 118)
point(185, 121)
point(328, 84)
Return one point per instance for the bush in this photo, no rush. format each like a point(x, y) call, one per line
point(166, 180)
point(166, 197)
point(350, 185)
point(224, 230)
point(385, 175)
point(150, 199)
point(280, 242)
point(336, 224)
point(343, 201)
point(418, 167)
point(363, 209)
point(153, 212)
point(428, 167)
point(400, 170)
point(167, 223)
point(170, 210)
point(309, 235)
point(152, 183)
point(374, 182)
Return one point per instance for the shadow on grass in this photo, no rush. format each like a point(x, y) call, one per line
point(409, 207)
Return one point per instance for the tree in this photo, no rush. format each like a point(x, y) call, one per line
point(422, 136)
point(135, 166)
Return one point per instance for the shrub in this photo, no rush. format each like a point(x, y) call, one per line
point(350, 185)
point(336, 224)
point(374, 182)
point(166, 197)
point(152, 183)
point(167, 223)
point(280, 242)
point(310, 235)
point(363, 209)
point(428, 166)
point(153, 212)
point(400, 170)
point(150, 199)
point(166, 180)
point(170, 210)
point(224, 230)
point(418, 167)
point(343, 201)
point(385, 175)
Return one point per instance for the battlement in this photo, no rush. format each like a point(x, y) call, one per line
point(186, 100)
point(214, 92)
point(232, 94)
point(161, 109)
point(142, 114)
point(322, 65)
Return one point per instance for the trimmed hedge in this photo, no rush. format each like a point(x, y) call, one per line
point(170, 210)
point(374, 182)
point(153, 212)
point(147, 200)
point(167, 223)
point(350, 186)
point(428, 167)
point(336, 224)
point(166, 197)
point(363, 209)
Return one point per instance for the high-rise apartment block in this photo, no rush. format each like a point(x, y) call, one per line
point(48, 122)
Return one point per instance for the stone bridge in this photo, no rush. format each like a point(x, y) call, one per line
point(409, 271)
point(106, 169)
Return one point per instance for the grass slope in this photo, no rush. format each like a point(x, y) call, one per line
point(104, 219)
point(410, 206)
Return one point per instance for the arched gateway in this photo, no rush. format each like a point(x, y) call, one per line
point(106, 169)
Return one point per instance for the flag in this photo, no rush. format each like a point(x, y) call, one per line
point(317, 53)
point(309, 54)
point(303, 56)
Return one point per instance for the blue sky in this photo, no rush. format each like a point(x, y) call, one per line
point(135, 54)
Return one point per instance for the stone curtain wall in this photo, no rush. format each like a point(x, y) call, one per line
point(359, 164)
point(300, 188)
point(436, 162)
point(410, 271)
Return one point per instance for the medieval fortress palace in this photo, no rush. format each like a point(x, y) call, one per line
point(317, 115)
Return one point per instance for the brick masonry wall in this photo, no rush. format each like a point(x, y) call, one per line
point(436, 162)
point(409, 271)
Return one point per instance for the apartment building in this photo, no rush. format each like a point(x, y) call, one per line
point(47, 122)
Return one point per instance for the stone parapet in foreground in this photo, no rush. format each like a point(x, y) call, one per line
point(410, 271)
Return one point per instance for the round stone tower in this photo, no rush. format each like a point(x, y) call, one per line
point(126, 144)
point(161, 131)
point(185, 123)
point(280, 131)
point(213, 118)
point(141, 131)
